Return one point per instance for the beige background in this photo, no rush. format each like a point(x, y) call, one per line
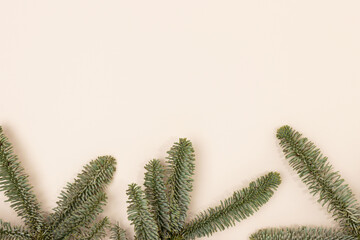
point(86, 78)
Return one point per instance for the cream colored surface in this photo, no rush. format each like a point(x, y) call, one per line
point(80, 79)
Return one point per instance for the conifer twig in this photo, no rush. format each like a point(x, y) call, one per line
point(239, 206)
point(180, 169)
point(93, 180)
point(97, 231)
point(318, 174)
point(83, 216)
point(140, 215)
point(77, 209)
point(117, 233)
point(15, 185)
point(301, 233)
point(150, 213)
point(8, 232)
point(156, 195)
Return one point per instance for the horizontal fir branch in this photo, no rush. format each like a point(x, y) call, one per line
point(240, 205)
point(301, 233)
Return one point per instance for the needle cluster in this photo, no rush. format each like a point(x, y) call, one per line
point(322, 181)
point(79, 204)
point(160, 211)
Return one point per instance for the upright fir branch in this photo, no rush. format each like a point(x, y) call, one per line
point(181, 169)
point(117, 233)
point(83, 216)
point(93, 180)
point(316, 172)
point(179, 173)
point(97, 231)
point(303, 233)
point(140, 215)
point(241, 205)
point(15, 184)
point(155, 194)
point(7, 232)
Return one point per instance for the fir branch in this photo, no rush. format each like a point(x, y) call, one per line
point(316, 172)
point(155, 194)
point(97, 231)
point(93, 180)
point(83, 216)
point(181, 169)
point(140, 215)
point(241, 205)
point(303, 233)
point(117, 233)
point(15, 184)
point(7, 232)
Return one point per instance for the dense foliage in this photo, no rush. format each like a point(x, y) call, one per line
point(160, 211)
point(79, 204)
point(318, 174)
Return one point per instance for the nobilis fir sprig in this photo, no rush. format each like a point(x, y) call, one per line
point(118, 233)
point(318, 174)
point(139, 214)
point(180, 170)
point(155, 192)
point(97, 231)
point(80, 202)
point(240, 205)
point(160, 213)
point(301, 233)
